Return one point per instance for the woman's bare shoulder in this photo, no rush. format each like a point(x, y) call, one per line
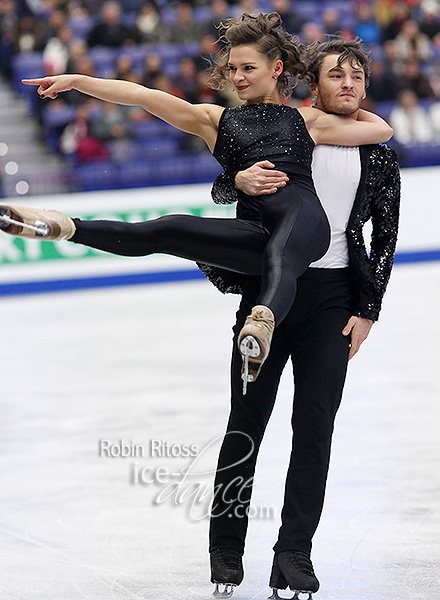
point(214, 111)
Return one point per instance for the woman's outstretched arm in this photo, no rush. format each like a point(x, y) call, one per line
point(344, 130)
point(198, 119)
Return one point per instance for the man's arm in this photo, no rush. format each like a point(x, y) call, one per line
point(385, 195)
point(258, 180)
point(384, 191)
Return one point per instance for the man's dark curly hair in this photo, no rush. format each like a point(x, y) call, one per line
point(354, 51)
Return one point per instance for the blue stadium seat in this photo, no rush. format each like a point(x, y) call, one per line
point(103, 58)
point(100, 175)
point(81, 27)
point(155, 128)
point(150, 149)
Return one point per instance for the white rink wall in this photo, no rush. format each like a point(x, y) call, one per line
point(30, 261)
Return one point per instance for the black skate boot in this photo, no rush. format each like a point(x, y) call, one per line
point(293, 568)
point(226, 569)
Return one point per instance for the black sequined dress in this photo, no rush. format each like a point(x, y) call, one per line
point(293, 232)
point(294, 217)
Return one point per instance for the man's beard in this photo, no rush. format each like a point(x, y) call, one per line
point(332, 107)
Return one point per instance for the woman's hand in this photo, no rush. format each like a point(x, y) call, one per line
point(50, 87)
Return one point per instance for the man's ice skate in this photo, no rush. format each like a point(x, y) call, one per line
point(254, 342)
point(23, 221)
point(293, 569)
point(296, 596)
point(226, 571)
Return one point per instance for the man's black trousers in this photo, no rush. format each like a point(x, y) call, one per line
point(311, 335)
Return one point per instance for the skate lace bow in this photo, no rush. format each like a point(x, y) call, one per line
point(260, 318)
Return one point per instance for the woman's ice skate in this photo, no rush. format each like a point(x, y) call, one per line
point(226, 571)
point(254, 342)
point(23, 221)
point(293, 569)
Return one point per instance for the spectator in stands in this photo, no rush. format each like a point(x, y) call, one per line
point(83, 65)
point(430, 22)
point(55, 22)
point(220, 13)
point(124, 69)
point(56, 53)
point(409, 120)
point(43, 8)
point(243, 6)
point(383, 12)
point(165, 84)
point(8, 27)
point(8, 16)
point(77, 51)
point(382, 86)
point(311, 32)
point(412, 78)
point(153, 70)
point(401, 14)
point(412, 44)
point(208, 47)
point(186, 29)
point(29, 35)
point(113, 123)
point(77, 140)
point(77, 12)
point(366, 26)
point(434, 80)
point(392, 62)
point(434, 115)
point(291, 21)
point(205, 93)
point(150, 26)
point(186, 80)
point(111, 32)
point(330, 21)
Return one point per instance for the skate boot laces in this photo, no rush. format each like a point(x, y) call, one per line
point(301, 561)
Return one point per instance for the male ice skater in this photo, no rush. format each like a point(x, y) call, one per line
point(338, 299)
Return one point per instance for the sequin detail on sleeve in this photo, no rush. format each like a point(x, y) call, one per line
point(381, 202)
point(223, 190)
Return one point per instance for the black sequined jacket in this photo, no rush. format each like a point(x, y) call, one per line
point(378, 199)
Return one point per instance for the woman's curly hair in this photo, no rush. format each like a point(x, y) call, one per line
point(265, 31)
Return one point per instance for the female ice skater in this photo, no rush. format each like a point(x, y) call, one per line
point(257, 60)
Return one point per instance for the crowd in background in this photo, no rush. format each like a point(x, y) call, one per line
point(404, 36)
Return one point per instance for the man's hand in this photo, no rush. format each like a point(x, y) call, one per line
point(359, 328)
point(260, 179)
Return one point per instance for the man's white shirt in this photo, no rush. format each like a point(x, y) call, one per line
point(336, 172)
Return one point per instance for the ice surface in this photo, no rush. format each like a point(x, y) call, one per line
point(151, 363)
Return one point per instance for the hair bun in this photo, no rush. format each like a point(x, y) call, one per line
point(274, 20)
point(267, 21)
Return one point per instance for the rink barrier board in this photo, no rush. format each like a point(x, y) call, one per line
point(29, 267)
point(129, 279)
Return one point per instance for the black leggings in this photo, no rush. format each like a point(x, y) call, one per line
point(295, 233)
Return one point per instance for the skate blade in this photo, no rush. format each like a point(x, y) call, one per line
point(40, 228)
point(249, 347)
point(226, 593)
point(296, 596)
